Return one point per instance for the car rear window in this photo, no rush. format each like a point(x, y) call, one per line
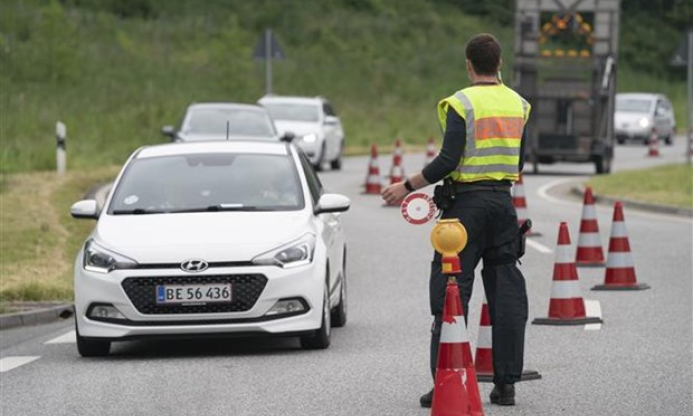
point(241, 122)
point(631, 105)
point(208, 182)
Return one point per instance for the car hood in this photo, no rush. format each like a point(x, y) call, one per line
point(299, 128)
point(217, 236)
point(212, 137)
point(629, 117)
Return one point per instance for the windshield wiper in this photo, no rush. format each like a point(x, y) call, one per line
point(232, 207)
point(137, 211)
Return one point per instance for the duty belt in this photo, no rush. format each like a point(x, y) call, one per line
point(461, 188)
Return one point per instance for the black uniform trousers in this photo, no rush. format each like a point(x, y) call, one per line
point(492, 230)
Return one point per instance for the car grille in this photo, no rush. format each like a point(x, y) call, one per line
point(246, 290)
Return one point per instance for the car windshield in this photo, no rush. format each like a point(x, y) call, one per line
point(293, 112)
point(241, 122)
point(630, 105)
point(208, 182)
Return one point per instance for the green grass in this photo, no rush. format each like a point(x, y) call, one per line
point(668, 185)
point(39, 237)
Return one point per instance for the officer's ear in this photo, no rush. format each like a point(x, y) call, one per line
point(470, 68)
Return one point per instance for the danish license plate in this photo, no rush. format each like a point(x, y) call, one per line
point(167, 294)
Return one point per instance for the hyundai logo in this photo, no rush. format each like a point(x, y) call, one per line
point(194, 265)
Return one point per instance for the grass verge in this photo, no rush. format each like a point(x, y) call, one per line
point(38, 237)
point(668, 185)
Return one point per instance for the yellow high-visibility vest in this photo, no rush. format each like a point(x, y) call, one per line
point(495, 117)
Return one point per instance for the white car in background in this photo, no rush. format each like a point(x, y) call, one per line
point(317, 128)
point(223, 121)
point(221, 238)
point(638, 114)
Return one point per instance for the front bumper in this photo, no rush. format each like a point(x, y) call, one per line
point(625, 135)
point(304, 283)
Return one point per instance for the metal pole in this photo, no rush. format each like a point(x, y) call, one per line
point(689, 130)
point(268, 61)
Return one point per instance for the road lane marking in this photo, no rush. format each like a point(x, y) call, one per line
point(68, 338)
point(538, 246)
point(10, 363)
point(593, 309)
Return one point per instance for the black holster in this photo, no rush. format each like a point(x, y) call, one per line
point(522, 237)
point(444, 195)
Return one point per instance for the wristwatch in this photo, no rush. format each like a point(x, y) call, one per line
point(408, 186)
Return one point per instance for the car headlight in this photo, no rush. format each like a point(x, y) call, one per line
point(644, 122)
point(294, 254)
point(101, 260)
point(310, 138)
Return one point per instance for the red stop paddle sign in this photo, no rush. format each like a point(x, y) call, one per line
point(418, 208)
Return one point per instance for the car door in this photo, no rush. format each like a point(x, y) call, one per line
point(332, 232)
point(332, 129)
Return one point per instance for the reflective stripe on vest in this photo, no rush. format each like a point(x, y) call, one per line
point(495, 118)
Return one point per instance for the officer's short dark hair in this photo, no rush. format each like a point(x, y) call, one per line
point(484, 52)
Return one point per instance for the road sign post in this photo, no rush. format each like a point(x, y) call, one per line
point(684, 56)
point(60, 137)
point(267, 49)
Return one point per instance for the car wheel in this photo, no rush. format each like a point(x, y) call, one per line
point(337, 163)
point(90, 347)
point(620, 141)
point(339, 313)
point(321, 339)
point(321, 159)
point(602, 165)
point(668, 140)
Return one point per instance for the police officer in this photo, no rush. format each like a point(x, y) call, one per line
point(481, 156)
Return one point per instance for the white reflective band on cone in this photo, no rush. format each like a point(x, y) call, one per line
point(619, 260)
point(485, 337)
point(564, 254)
point(589, 240)
point(565, 289)
point(521, 213)
point(454, 332)
point(373, 179)
point(618, 229)
point(518, 191)
point(589, 213)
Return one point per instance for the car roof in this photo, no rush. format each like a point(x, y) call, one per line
point(240, 106)
point(232, 146)
point(640, 95)
point(291, 99)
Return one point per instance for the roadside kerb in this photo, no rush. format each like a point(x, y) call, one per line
point(579, 190)
point(36, 316)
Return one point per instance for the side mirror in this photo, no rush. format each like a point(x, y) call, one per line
point(288, 137)
point(168, 131)
point(330, 121)
point(331, 203)
point(85, 209)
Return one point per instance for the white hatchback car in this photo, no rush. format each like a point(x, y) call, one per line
point(212, 238)
point(315, 124)
point(638, 114)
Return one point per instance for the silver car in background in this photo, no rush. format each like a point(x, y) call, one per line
point(638, 114)
point(222, 121)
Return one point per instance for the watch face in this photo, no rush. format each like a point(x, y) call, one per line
point(418, 208)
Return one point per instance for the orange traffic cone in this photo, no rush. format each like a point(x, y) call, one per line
point(654, 144)
point(430, 151)
point(589, 249)
point(520, 204)
point(483, 357)
point(455, 392)
point(373, 182)
point(566, 306)
point(620, 270)
point(396, 171)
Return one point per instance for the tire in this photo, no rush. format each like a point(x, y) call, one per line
point(91, 347)
point(602, 165)
point(321, 339)
point(321, 159)
point(668, 140)
point(337, 163)
point(620, 141)
point(339, 313)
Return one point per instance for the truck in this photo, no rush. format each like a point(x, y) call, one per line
point(565, 65)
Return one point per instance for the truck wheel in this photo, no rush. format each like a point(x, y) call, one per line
point(535, 167)
point(602, 165)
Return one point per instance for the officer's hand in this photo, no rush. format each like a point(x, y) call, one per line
point(395, 193)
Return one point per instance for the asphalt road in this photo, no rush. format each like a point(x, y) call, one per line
point(639, 362)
